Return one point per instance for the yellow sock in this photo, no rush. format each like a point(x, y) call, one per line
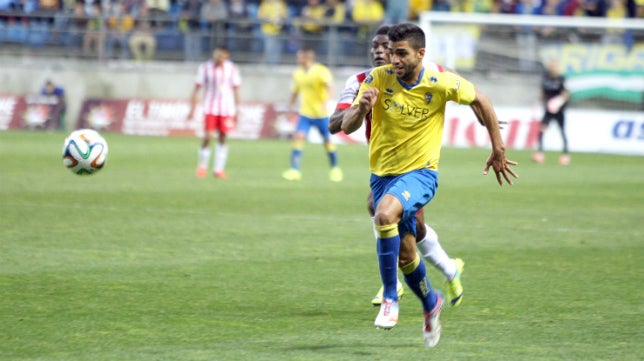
point(411, 267)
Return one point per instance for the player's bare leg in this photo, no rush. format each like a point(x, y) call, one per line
point(433, 253)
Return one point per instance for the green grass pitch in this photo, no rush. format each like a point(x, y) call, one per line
point(143, 261)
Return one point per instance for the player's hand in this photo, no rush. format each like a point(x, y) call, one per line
point(191, 114)
point(501, 166)
point(368, 99)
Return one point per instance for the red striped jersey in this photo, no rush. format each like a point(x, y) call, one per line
point(218, 83)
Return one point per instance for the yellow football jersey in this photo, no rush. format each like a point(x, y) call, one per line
point(312, 86)
point(407, 121)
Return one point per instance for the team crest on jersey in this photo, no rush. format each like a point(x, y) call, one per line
point(389, 91)
point(433, 79)
point(369, 79)
point(428, 97)
point(389, 71)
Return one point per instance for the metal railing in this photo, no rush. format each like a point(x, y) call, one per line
point(173, 39)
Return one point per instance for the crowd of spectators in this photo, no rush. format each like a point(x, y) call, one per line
point(137, 28)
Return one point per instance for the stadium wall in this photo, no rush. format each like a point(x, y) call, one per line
point(152, 99)
point(175, 80)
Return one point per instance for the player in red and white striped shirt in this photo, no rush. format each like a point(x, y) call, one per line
point(220, 79)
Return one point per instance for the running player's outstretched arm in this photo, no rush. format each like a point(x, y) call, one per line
point(354, 116)
point(482, 107)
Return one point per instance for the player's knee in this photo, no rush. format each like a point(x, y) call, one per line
point(383, 217)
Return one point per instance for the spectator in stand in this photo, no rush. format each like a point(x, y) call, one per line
point(506, 6)
point(526, 38)
point(189, 25)
point(639, 8)
point(213, 16)
point(594, 8)
point(335, 16)
point(273, 14)
point(296, 6)
point(442, 5)
point(143, 43)
point(310, 24)
point(336, 12)
point(396, 11)
point(120, 24)
point(5, 6)
point(240, 26)
point(368, 14)
point(478, 6)
point(94, 38)
point(133, 6)
point(48, 9)
point(549, 8)
point(77, 23)
point(158, 10)
point(616, 10)
point(416, 7)
point(571, 8)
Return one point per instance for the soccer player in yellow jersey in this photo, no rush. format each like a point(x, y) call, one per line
point(429, 248)
point(407, 102)
point(313, 82)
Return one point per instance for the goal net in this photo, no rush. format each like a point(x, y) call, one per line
point(602, 58)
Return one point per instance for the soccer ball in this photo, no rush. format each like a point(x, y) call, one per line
point(84, 151)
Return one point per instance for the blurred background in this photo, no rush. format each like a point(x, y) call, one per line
point(115, 59)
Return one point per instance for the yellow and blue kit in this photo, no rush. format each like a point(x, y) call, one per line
point(407, 121)
point(404, 151)
point(312, 86)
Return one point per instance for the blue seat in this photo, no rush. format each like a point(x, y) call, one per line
point(16, 33)
point(169, 38)
point(38, 34)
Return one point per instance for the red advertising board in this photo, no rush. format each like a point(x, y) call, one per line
point(167, 117)
point(29, 111)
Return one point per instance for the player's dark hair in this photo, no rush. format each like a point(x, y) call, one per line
point(383, 30)
point(408, 32)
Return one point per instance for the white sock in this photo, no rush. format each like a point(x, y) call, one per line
point(373, 228)
point(432, 252)
point(221, 155)
point(204, 157)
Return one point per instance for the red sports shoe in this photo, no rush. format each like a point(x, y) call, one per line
point(221, 175)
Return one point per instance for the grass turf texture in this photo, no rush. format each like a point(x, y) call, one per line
point(143, 261)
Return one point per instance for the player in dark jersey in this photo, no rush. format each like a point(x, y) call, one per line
point(555, 99)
